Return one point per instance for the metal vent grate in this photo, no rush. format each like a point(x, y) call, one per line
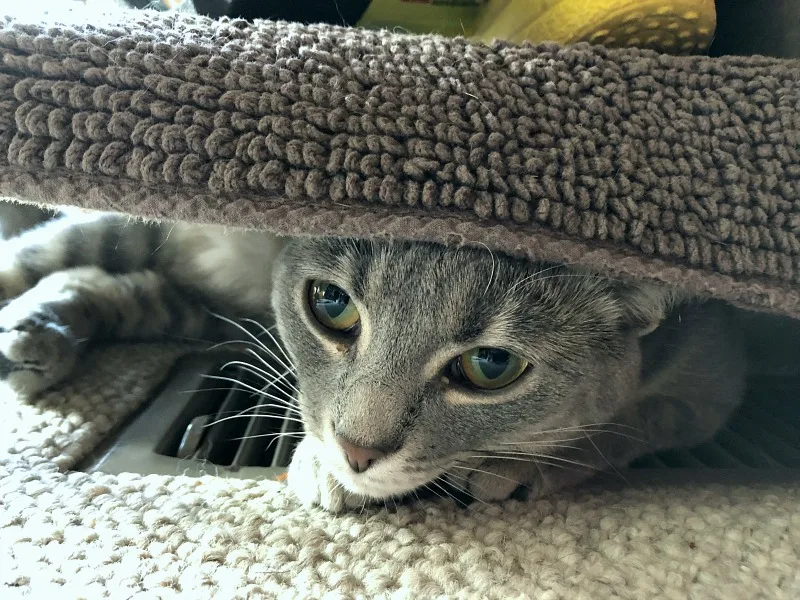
point(242, 425)
point(213, 416)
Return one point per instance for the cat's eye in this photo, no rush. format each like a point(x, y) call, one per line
point(489, 368)
point(332, 306)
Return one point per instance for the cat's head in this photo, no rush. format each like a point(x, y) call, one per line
point(411, 356)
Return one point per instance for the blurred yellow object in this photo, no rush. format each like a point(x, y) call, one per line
point(445, 17)
point(672, 26)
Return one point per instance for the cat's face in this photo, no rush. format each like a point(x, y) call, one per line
point(380, 365)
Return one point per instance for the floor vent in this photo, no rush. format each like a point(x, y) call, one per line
point(214, 416)
point(239, 424)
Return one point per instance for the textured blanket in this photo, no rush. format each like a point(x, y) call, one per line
point(683, 170)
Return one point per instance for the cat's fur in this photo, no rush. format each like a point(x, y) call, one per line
point(617, 370)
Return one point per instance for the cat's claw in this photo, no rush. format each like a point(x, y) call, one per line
point(36, 351)
point(313, 485)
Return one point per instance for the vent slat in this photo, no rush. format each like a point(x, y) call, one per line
point(745, 451)
point(266, 444)
point(679, 459)
point(782, 430)
point(713, 455)
point(227, 428)
point(773, 446)
point(203, 401)
point(234, 426)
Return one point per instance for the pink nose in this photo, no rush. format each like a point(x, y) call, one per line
point(359, 458)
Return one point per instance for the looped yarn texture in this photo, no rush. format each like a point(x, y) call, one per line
point(627, 160)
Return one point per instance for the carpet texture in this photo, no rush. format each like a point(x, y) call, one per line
point(681, 169)
point(78, 535)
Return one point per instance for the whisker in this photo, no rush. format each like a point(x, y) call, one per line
point(608, 462)
point(244, 330)
point(544, 461)
point(544, 443)
point(254, 370)
point(255, 391)
point(468, 494)
point(246, 414)
point(585, 425)
point(269, 365)
point(276, 417)
point(433, 491)
point(486, 473)
point(443, 489)
point(268, 331)
point(536, 455)
point(245, 343)
point(249, 387)
point(299, 434)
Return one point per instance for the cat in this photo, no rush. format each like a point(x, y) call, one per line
point(417, 364)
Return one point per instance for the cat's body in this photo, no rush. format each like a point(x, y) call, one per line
point(598, 372)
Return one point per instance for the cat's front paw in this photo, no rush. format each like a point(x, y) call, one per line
point(498, 480)
point(494, 480)
point(36, 350)
point(313, 484)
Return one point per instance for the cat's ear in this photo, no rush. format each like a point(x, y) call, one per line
point(646, 305)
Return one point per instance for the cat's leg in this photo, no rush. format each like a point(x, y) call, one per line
point(44, 330)
point(113, 242)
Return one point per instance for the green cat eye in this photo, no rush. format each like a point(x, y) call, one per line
point(332, 306)
point(490, 368)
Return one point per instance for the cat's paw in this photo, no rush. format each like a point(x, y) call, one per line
point(498, 480)
point(495, 480)
point(36, 350)
point(313, 484)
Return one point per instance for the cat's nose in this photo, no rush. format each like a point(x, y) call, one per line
point(359, 457)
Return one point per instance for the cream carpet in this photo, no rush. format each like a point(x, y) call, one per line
point(75, 535)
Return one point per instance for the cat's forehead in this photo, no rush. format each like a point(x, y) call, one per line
point(374, 270)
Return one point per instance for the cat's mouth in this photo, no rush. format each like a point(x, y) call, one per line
point(390, 477)
point(382, 488)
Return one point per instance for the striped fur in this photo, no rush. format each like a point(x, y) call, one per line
point(80, 277)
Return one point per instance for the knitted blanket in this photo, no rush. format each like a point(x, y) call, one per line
point(682, 170)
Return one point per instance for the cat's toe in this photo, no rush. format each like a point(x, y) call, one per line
point(313, 485)
point(303, 474)
point(36, 351)
point(500, 481)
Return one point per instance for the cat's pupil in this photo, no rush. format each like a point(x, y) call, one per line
point(333, 301)
point(492, 362)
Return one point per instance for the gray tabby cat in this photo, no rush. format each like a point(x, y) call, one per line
point(417, 364)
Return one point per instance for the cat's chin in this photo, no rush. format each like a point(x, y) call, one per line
point(379, 488)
